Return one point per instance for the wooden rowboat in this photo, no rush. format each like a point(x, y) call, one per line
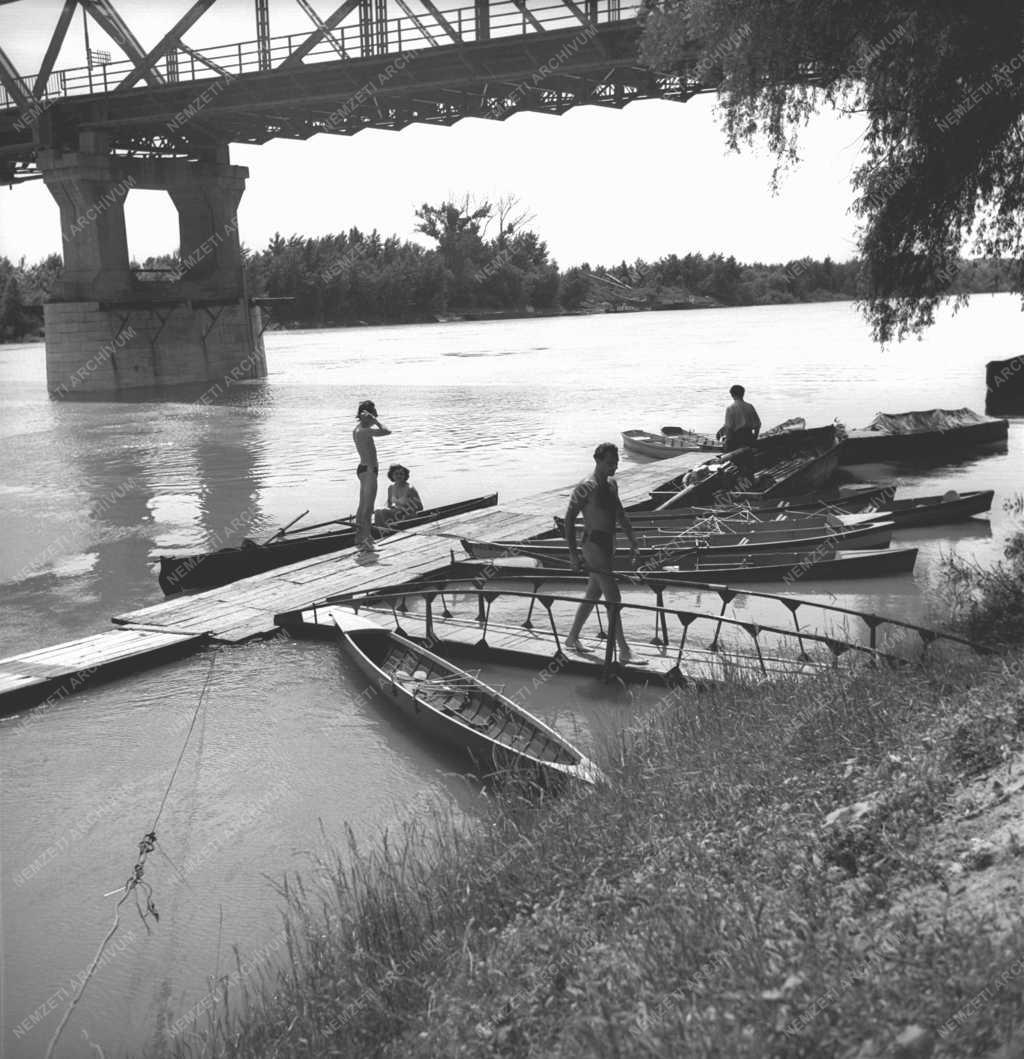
point(664, 546)
point(789, 467)
point(935, 510)
point(790, 567)
point(187, 573)
point(672, 441)
point(662, 446)
point(452, 705)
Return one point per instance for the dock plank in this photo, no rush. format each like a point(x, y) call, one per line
point(29, 678)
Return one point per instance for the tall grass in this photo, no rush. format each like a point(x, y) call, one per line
point(693, 905)
point(988, 602)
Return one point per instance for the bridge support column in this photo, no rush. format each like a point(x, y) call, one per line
point(108, 329)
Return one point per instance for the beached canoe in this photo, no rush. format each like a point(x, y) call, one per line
point(455, 707)
point(938, 433)
point(790, 567)
point(189, 573)
point(662, 548)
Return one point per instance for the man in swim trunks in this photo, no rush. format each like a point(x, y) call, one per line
point(597, 498)
point(742, 423)
point(368, 428)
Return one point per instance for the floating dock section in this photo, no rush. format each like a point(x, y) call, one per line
point(245, 609)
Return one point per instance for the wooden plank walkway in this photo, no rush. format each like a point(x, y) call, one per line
point(246, 608)
point(54, 672)
point(535, 648)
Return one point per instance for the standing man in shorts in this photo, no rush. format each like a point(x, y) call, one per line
point(368, 428)
point(597, 498)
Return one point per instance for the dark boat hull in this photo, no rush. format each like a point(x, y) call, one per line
point(867, 446)
point(663, 545)
point(786, 469)
point(204, 570)
point(790, 568)
point(933, 510)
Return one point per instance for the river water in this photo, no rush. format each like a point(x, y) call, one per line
point(286, 753)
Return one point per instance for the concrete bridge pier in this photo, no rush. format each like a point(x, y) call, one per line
point(111, 329)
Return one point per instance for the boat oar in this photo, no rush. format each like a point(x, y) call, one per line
point(281, 532)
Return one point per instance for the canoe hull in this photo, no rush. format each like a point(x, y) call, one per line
point(788, 568)
point(543, 753)
point(662, 545)
point(204, 570)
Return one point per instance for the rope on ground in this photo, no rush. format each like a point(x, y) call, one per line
point(135, 880)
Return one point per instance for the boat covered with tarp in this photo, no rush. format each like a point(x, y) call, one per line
point(915, 435)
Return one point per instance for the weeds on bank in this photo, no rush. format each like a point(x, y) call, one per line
point(988, 602)
point(694, 905)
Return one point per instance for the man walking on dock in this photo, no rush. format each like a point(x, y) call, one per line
point(368, 428)
point(597, 497)
point(742, 423)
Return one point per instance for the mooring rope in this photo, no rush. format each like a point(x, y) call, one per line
point(135, 880)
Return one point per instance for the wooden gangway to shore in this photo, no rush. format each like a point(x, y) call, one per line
point(245, 609)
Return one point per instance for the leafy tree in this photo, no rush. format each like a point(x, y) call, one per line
point(575, 288)
point(942, 89)
point(12, 312)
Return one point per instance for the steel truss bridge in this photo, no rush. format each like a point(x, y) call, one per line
point(362, 66)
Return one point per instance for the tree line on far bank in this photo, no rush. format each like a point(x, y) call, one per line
point(485, 262)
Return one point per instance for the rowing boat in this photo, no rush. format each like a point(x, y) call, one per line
point(664, 545)
point(672, 441)
point(791, 567)
point(187, 573)
point(934, 510)
point(456, 707)
point(935, 433)
point(792, 465)
point(662, 446)
point(875, 505)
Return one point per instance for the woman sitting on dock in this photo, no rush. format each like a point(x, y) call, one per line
point(403, 500)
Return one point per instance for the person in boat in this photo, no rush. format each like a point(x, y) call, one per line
point(366, 429)
point(403, 499)
point(597, 499)
point(742, 423)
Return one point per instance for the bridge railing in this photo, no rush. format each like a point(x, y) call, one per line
point(392, 36)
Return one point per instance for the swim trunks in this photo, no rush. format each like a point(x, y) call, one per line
point(598, 550)
point(366, 467)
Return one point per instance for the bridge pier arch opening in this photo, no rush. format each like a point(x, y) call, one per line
point(107, 329)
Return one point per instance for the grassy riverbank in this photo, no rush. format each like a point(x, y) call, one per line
point(709, 900)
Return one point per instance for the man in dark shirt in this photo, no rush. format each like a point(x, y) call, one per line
point(597, 498)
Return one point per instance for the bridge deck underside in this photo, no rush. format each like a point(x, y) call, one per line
point(548, 73)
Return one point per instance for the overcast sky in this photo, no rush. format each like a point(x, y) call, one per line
point(604, 185)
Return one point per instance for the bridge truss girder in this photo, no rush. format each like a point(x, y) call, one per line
point(437, 86)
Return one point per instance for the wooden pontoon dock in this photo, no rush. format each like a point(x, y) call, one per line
point(245, 609)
